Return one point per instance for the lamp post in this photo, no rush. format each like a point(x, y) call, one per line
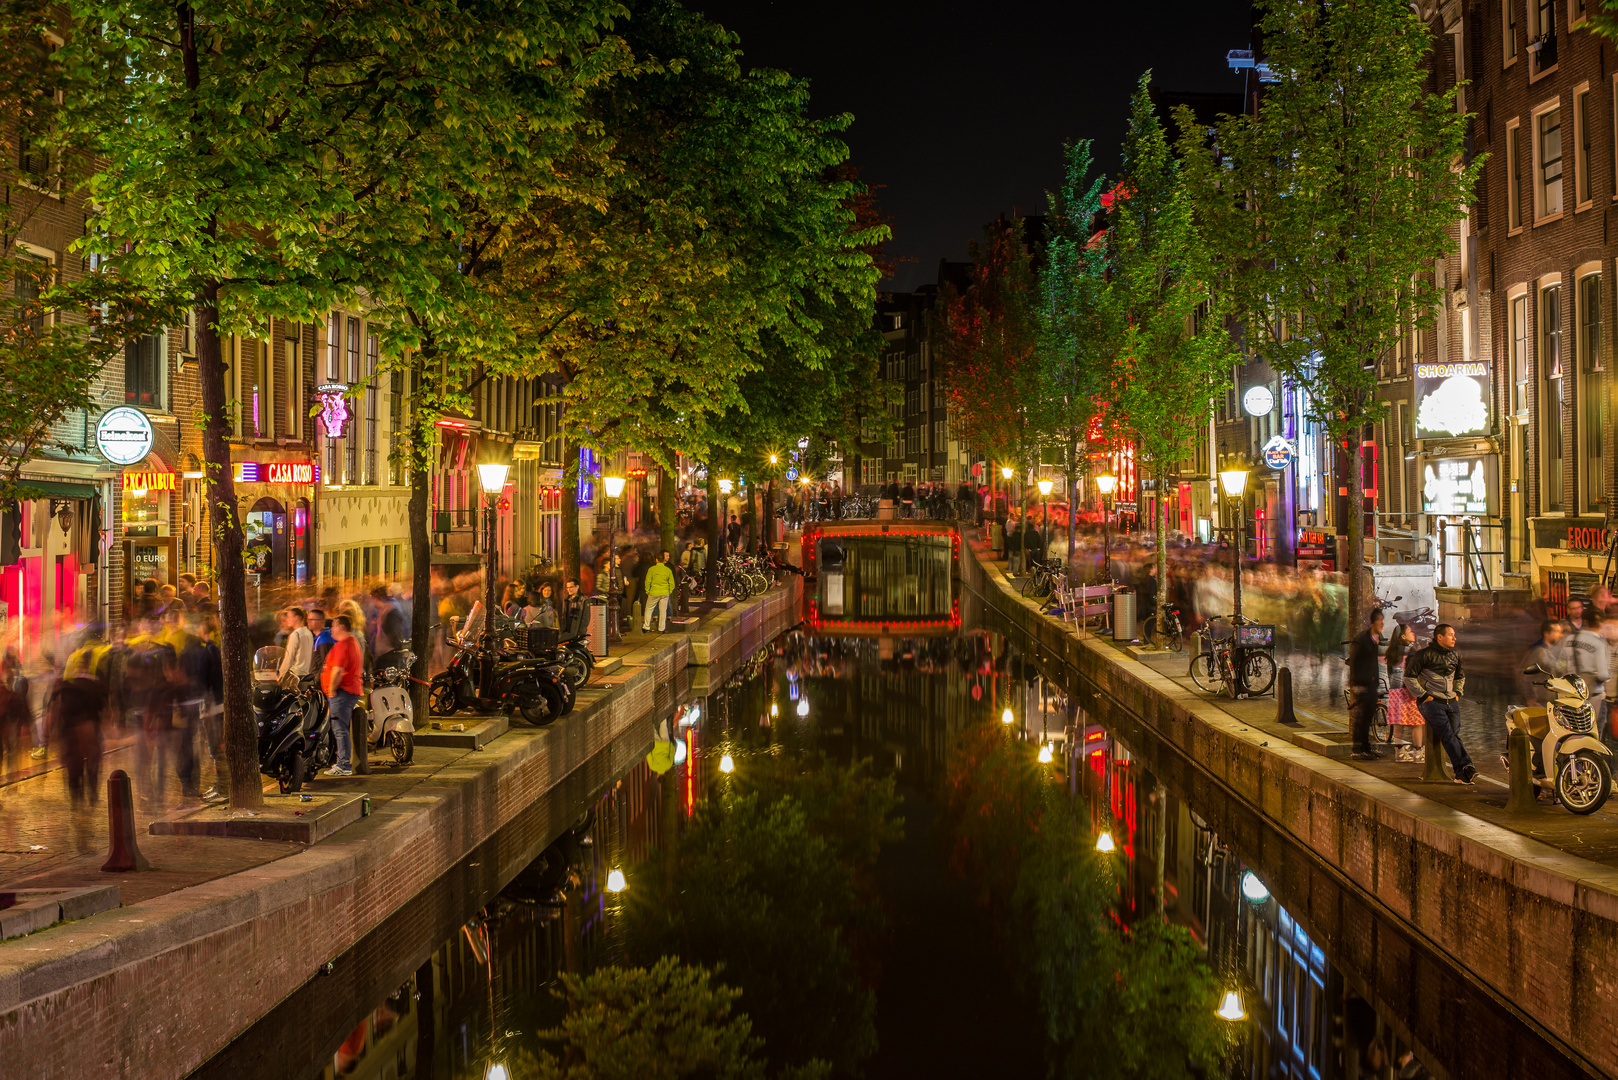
point(1006, 472)
point(1106, 483)
point(614, 487)
point(1234, 479)
point(1045, 516)
point(492, 478)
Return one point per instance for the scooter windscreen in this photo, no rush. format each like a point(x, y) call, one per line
point(267, 663)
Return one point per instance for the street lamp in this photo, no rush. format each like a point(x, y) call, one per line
point(1106, 483)
point(725, 485)
point(614, 487)
point(492, 478)
point(1045, 513)
point(1234, 479)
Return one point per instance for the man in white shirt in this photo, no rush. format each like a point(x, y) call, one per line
point(300, 647)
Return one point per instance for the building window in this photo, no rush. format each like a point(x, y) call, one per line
point(1581, 147)
point(290, 382)
point(1519, 354)
point(370, 408)
point(188, 333)
point(1541, 36)
point(395, 425)
point(1550, 413)
point(1548, 164)
point(143, 372)
point(334, 346)
point(263, 394)
point(1577, 10)
point(353, 350)
point(1513, 177)
point(27, 286)
point(1592, 401)
point(1508, 32)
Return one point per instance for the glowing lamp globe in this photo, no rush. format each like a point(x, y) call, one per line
point(803, 706)
point(1045, 754)
point(1235, 481)
point(773, 459)
point(492, 475)
point(1006, 471)
point(1104, 843)
point(1106, 483)
point(616, 882)
point(724, 486)
point(805, 481)
point(727, 764)
point(1045, 487)
point(1231, 1008)
point(1253, 888)
point(614, 486)
point(1007, 717)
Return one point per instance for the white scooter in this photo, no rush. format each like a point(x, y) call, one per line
point(389, 714)
point(1569, 760)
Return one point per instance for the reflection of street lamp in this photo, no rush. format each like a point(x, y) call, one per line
point(1104, 843)
point(492, 477)
point(1007, 716)
point(614, 487)
point(616, 882)
point(1045, 513)
point(803, 706)
point(727, 764)
point(1045, 753)
point(1231, 1008)
point(1106, 483)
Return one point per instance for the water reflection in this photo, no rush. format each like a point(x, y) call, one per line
point(481, 998)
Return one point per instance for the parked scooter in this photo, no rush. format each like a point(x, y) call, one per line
point(389, 716)
point(295, 739)
point(522, 685)
point(1569, 760)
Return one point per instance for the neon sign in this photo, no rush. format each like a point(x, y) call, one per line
point(333, 398)
point(149, 480)
point(289, 472)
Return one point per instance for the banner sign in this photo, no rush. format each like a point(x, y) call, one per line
point(1452, 400)
point(1461, 485)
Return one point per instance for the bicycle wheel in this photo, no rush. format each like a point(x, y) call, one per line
point(1380, 731)
point(1205, 673)
point(1258, 672)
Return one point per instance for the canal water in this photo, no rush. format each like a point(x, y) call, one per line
point(459, 986)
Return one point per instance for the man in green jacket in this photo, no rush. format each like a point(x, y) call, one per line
point(659, 588)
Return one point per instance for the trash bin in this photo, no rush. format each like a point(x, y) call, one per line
point(1123, 614)
point(884, 510)
point(596, 628)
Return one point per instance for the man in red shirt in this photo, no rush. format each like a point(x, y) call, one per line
point(343, 679)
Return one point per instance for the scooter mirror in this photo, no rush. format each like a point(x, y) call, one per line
point(1537, 669)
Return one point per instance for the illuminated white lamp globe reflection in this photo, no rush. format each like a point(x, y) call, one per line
point(496, 1071)
point(1007, 717)
point(727, 764)
point(1104, 843)
point(1231, 1008)
point(1045, 753)
point(803, 706)
point(616, 882)
point(775, 710)
point(1253, 888)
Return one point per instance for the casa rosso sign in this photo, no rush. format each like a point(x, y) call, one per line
point(289, 472)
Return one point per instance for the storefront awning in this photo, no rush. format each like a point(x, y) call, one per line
point(55, 489)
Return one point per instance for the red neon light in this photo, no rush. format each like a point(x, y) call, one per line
point(1094, 736)
point(290, 472)
point(690, 770)
point(456, 424)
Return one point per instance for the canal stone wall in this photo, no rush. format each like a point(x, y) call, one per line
point(1534, 925)
point(156, 988)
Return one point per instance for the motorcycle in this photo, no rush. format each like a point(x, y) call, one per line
point(295, 739)
point(522, 685)
point(1569, 760)
point(390, 718)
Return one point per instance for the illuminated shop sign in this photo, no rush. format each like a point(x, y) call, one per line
point(124, 435)
point(277, 472)
point(1461, 485)
point(333, 398)
point(1452, 400)
point(149, 480)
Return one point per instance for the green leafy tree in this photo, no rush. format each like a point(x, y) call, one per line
point(1076, 322)
point(274, 164)
point(1174, 353)
point(1326, 212)
point(667, 1021)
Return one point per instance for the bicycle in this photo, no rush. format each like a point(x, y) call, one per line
point(1171, 635)
point(1247, 650)
point(1041, 580)
point(1380, 731)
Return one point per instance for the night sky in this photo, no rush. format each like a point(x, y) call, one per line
point(961, 108)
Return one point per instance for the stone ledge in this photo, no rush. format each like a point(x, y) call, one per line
point(284, 817)
point(27, 911)
point(474, 733)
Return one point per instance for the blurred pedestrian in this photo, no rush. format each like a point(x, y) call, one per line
point(1364, 679)
point(344, 682)
point(77, 709)
point(659, 591)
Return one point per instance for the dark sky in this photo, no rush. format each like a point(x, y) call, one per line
point(961, 108)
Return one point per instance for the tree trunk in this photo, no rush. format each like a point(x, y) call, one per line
point(1162, 523)
point(423, 612)
point(1354, 560)
point(241, 735)
point(668, 510)
point(1072, 502)
point(767, 518)
point(568, 556)
point(711, 579)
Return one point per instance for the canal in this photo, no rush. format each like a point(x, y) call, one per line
point(462, 983)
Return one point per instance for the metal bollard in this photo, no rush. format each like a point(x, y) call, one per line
point(1283, 697)
point(124, 855)
point(1435, 761)
point(1520, 753)
point(359, 733)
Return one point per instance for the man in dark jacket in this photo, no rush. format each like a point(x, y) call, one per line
point(1435, 679)
point(1364, 677)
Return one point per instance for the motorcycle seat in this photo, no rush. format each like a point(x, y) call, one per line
point(1532, 719)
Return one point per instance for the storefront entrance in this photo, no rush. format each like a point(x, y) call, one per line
point(264, 542)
